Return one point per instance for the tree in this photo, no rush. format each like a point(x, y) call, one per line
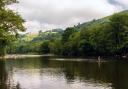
point(56, 47)
point(67, 34)
point(10, 24)
point(119, 25)
point(3, 3)
point(45, 47)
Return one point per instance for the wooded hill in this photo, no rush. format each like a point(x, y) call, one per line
point(107, 36)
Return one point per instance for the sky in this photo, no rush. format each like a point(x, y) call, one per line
point(51, 14)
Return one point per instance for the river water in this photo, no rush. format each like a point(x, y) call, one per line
point(62, 73)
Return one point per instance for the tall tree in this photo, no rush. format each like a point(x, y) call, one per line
point(10, 24)
point(119, 24)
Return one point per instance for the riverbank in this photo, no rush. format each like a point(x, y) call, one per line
point(16, 56)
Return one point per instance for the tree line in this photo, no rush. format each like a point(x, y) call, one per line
point(109, 38)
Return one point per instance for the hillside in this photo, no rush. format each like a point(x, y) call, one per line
point(98, 21)
point(96, 37)
point(27, 37)
point(48, 35)
point(56, 33)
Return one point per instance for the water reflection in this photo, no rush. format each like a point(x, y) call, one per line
point(3, 76)
point(45, 73)
point(6, 81)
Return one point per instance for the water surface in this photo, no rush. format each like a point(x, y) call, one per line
point(62, 73)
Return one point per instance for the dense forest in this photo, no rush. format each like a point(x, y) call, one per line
point(106, 37)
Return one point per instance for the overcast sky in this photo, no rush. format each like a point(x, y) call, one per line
point(50, 14)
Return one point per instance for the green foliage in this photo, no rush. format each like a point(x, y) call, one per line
point(33, 43)
point(55, 47)
point(10, 24)
point(67, 33)
point(3, 3)
point(48, 35)
point(45, 47)
point(107, 37)
point(119, 24)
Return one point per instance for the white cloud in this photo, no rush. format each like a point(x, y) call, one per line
point(53, 13)
point(124, 3)
point(35, 26)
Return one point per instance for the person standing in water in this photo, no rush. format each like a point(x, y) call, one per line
point(99, 59)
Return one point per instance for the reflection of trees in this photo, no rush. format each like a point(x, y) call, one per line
point(5, 79)
point(110, 73)
point(18, 86)
point(114, 73)
point(3, 76)
point(119, 76)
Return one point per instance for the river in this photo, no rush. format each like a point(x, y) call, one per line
point(62, 73)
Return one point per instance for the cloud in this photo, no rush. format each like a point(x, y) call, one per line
point(62, 13)
point(35, 26)
point(123, 3)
